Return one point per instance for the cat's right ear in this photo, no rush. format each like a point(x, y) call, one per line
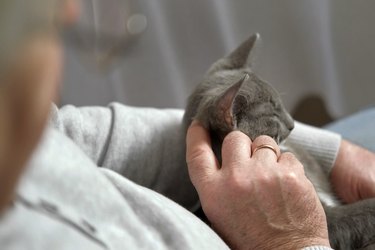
point(241, 55)
point(239, 58)
point(226, 103)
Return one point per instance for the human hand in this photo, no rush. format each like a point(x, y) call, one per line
point(353, 174)
point(255, 201)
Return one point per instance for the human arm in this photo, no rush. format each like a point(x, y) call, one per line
point(353, 173)
point(26, 91)
point(255, 201)
point(354, 169)
point(351, 168)
point(145, 145)
point(30, 68)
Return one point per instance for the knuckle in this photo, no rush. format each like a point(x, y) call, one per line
point(235, 136)
point(290, 159)
point(267, 180)
point(289, 156)
point(237, 182)
point(295, 182)
point(291, 178)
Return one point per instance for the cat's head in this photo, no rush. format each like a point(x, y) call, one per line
point(241, 100)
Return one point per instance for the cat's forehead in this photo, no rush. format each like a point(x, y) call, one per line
point(254, 88)
point(230, 77)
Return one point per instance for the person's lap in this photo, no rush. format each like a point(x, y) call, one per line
point(358, 128)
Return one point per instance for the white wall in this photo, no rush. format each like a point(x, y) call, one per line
point(308, 46)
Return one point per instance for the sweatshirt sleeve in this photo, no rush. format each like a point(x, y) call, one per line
point(322, 144)
point(317, 248)
point(145, 145)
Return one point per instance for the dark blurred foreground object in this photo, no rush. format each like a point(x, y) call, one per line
point(312, 110)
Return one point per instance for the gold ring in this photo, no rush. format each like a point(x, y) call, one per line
point(267, 146)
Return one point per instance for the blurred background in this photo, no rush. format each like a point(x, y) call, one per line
point(319, 54)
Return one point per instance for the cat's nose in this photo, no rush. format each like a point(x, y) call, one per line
point(289, 122)
point(290, 126)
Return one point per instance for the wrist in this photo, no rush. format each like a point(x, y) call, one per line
point(323, 145)
point(309, 244)
point(295, 242)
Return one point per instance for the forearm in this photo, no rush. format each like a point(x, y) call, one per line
point(88, 127)
point(146, 145)
point(128, 140)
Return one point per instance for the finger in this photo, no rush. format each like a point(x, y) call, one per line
point(366, 190)
point(265, 149)
point(69, 11)
point(289, 161)
point(201, 161)
point(235, 149)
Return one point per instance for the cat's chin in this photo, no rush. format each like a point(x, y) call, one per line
point(277, 139)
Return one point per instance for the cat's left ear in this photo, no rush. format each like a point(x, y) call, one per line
point(227, 105)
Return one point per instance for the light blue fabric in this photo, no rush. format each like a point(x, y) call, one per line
point(358, 128)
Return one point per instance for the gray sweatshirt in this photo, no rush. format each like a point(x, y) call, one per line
point(115, 178)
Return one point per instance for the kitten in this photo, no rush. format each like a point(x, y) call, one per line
point(232, 97)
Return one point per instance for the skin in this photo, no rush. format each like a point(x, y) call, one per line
point(255, 201)
point(32, 83)
point(26, 93)
point(25, 101)
point(353, 174)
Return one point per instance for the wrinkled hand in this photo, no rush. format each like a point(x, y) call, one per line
point(353, 174)
point(255, 201)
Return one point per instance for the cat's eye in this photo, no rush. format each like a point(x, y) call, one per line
point(274, 104)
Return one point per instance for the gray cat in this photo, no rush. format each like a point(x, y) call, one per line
point(232, 97)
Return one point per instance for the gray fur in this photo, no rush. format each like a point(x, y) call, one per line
point(230, 91)
point(232, 97)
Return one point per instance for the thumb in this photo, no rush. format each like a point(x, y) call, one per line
point(201, 161)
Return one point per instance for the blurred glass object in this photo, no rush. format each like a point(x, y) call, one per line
point(105, 29)
point(22, 19)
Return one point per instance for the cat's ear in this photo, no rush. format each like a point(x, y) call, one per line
point(226, 103)
point(241, 55)
point(239, 58)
